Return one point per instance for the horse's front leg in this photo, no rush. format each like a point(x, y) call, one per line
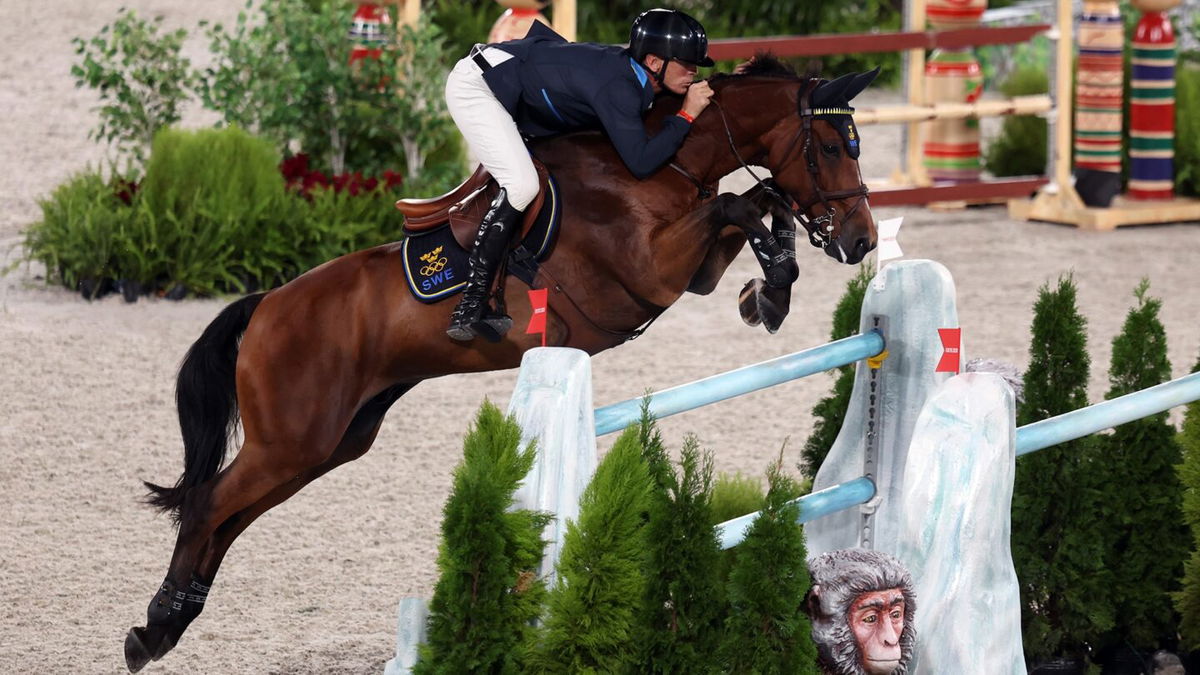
point(775, 249)
point(764, 301)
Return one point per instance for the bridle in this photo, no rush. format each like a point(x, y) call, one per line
point(820, 228)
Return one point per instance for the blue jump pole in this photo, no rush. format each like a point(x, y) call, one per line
point(812, 506)
point(1089, 420)
point(667, 402)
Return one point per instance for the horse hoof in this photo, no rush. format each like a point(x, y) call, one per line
point(143, 645)
point(136, 653)
point(748, 302)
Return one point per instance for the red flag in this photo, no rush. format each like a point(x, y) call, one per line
point(537, 320)
point(951, 340)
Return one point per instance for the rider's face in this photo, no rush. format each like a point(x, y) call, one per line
point(678, 78)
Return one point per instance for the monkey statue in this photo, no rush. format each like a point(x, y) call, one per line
point(862, 607)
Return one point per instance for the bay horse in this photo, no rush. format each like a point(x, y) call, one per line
point(310, 368)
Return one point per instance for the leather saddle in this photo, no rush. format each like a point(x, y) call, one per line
point(465, 206)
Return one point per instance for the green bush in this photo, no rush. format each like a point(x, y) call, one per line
point(735, 495)
point(591, 615)
point(1187, 600)
point(1020, 147)
point(1187, 128)
point(487, 594)
point(211, 216)
point(766, 630)
point(141, 76)
point(681, 614)
point(211, 193)
point(1146, 537)
point(82, 221)
point(286, 75)
point(1057, 539)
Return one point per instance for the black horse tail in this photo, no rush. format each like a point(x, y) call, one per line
point(206, 396)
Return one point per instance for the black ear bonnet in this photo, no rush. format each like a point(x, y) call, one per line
point(830, 101)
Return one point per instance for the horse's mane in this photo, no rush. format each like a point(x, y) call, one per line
point(764, 64)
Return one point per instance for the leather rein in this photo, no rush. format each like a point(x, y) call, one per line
point(820, 228)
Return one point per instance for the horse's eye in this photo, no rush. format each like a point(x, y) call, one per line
point(830, 149)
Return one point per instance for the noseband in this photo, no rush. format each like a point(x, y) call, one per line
point(821, 228)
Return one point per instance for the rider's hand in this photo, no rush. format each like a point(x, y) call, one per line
point(697, 99)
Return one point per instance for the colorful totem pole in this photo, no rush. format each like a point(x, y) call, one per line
point(1099, 83)
point(370, 31)
point(514, 23)
point(951, 147)
point(1152, 108)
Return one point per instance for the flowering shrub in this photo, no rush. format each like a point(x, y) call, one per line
point(303, 180)
point(216, 212)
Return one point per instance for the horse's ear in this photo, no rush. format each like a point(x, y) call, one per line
point(858, 82)
point(829, 94)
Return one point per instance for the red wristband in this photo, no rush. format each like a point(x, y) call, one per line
point(687, 118)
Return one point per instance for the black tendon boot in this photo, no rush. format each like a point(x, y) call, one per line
point(473, 316)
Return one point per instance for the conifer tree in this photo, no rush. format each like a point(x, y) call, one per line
point(1057, 546)
point(1147, 538)
point(767, 630)
point(830, 411)
point(1187, 600)
point(681, 611)
point(488, 593)
point(591, 621)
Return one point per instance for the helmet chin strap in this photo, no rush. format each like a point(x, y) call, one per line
point(662, 73)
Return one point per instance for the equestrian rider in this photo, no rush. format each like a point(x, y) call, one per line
point(542, 85)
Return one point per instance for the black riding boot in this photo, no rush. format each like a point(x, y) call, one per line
point(473, 316)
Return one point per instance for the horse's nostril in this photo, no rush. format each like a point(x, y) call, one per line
point(863, 246)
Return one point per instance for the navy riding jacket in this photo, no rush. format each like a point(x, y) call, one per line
point(552, 86)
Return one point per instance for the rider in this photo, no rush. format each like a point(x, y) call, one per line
point(542, 85)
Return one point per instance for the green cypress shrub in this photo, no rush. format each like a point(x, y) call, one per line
point(1146, 535)
point(1020, 147)
point(1187, 600)
point(1057, 540)
point(590, 626)
point(681, 612)
point(767, 630)
point(488, 594)
point(830, 412)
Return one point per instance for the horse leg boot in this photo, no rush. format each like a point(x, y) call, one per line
point(473, 316)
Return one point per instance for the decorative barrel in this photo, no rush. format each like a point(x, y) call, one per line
point(1152, 109)
point(951, 148)
point(947, 14)
point(514, 23)
point(1099, 102)
point(369, 30)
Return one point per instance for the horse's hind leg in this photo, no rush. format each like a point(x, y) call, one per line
point(354, 444)
point(262, 472)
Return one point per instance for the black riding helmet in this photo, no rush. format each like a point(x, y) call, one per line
point(671, 35)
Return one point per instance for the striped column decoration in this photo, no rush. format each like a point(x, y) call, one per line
point(1152, 108)
point(1099, 102)
point(951, 148)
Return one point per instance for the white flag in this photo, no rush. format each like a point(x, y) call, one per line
point(887, 248)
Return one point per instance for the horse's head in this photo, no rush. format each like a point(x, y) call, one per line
point(812, 150)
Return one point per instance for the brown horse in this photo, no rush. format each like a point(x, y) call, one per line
point(321, 359)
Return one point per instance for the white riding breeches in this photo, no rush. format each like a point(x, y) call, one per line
point(489, 130)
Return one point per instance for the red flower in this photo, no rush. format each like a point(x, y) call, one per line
point(294, 168)
point(124, 190)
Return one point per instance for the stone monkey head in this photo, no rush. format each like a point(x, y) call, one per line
point(862, 607)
